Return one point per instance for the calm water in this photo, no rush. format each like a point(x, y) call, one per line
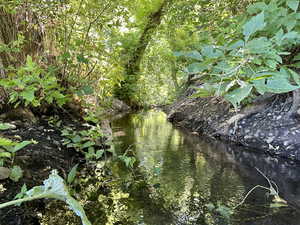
point(183, 179)
point(190, 175)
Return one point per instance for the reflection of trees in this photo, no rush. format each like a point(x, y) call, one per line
point(142, 203)
point(194, 173)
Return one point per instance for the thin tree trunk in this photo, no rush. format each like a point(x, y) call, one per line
point(132, 69)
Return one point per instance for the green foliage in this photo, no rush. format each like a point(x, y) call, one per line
point(72, 174)
point(128, 160)
point(6, 126)
point(55, 188)
point(8, 148)
point(30, 85)
point(220, 209)
point(89, 142)
point(16, 173)
point(251, 62)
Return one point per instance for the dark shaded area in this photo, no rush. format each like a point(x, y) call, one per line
point(37, 160)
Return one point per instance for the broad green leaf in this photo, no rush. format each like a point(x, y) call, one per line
point(196, 67)
point(5, 155)
point(271, 64)
point(297, 57)
point(6, 126)
point(54, 187)
point(205, 90)
point(290, 24)
point(21, 145)
point(210, 206)
point(255, 24)
point(76, 139)
point(30, 65)
point(72, 174)
point(99, 154)
point(256, 7)
point(280, 85)
point(88, 144)
point(291, 35)
point(295, 76)
point(22, 193)
point(16, 173)
point(6, 142)
point(194, 55)
point(293, 4)
point(235, 45)
point(28, 94)
point(258, 45)
point(279, 37)
point(210, 52)
point(236, 96)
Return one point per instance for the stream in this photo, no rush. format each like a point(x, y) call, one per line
point(193, 174)
point(185, 179)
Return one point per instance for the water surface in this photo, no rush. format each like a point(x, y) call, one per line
point(196, 180)
point(182, 179)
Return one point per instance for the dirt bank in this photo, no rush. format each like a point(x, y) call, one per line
point(36, 160)
point(265, 124)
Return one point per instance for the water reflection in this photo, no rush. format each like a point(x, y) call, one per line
point(182, 179)
point(188, 174)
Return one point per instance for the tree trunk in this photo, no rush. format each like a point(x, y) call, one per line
point(132, 69)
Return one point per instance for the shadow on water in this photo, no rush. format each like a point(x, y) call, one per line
point(183, 179)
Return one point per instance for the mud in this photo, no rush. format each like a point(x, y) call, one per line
point(36, 160)
point(265, 124)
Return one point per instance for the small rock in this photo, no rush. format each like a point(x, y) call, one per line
point(4, 173)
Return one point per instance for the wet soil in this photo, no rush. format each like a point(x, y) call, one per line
point(36, 160)
point(266, 124)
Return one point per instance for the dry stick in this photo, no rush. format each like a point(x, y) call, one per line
point(249, 192)
point(91, 70)
point(258, 186)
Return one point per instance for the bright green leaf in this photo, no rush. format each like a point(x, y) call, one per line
point(72, 174)
point(21, 145)
point(255, 24)
point(293, 4)
point(194, 55)
point(196, 67)
point(236, 96)
point(28, 94)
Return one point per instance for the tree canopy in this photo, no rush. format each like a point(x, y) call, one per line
point(143, 51)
